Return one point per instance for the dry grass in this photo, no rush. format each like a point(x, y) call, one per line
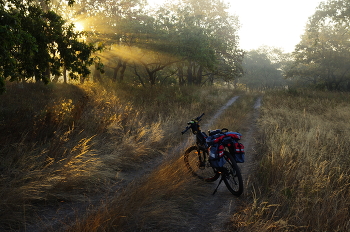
point(238, 116)
point(303, 179)
point(167, 199)
point(66, 143)
point(156, 201)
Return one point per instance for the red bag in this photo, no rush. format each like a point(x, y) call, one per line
point(239, 152)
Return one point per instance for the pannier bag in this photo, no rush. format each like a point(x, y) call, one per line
point(218, 141)
point(228, 137)
point(216, 156)
point(239, 152)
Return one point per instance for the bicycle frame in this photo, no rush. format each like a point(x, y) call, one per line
point(195, 128)
point(197, 160)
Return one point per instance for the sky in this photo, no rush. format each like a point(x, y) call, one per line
point(275, 23)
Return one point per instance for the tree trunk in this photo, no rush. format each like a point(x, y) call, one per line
point(180, 75)
point(97, 74)
point(45, 77)
point(152, 77)
point(122, 71)
point(199, 75)
point(138, 75)
point(211, 78)
point(116, 70)
point(189, 74)
point(55, 79)
point(122, 67)
point(65, 75)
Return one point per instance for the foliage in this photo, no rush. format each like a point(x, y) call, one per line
point(263, 68)
point(187, 40)
point(36, 43)
point(207, 39)
point(200, 39)
point(323, 55)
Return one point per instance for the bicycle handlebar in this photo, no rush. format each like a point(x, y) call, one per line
point(199, 117)
point(183, 132)
point(196, 120)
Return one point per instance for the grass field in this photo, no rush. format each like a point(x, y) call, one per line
point(303, 177)
point(65, 143)
point(169, 198)
point(68, 143)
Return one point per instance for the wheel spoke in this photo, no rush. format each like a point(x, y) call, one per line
point(198, 164)
point(233, 176)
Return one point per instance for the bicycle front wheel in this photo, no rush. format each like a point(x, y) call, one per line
point(197, 161)
point(233, 177)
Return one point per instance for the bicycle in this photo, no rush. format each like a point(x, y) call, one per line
point(197, 160)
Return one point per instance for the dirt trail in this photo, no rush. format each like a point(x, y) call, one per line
point(182, 146)
point(215, 211)
point(212, 214)
point(220, 111)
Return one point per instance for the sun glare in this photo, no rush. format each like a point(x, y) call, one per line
point(79, 26)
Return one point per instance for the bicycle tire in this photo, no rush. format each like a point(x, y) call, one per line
point(233, 177)
point(197, 161)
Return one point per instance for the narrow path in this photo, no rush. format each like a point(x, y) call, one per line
point(212, 214)
point(182, 146)
point(249, 142)
point(216, 210)
point(220, 111)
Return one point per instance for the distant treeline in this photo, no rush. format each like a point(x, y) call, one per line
point(186, 42)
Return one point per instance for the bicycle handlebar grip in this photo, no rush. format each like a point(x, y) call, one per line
point(188, 127)
point(198, 118)
point(183, 132)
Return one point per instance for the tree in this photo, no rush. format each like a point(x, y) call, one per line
point(263, 68)
point(323, 55)
point(111, 24)
point(194, 39)
point(37, 43)
point(205, 37)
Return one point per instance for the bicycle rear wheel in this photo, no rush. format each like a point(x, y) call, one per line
point(197, 161)
point(233, 177)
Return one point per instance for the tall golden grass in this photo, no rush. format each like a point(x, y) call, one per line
point(238, 117)
point(66, 143)
point(62, 143)
point(303, 177)
point(169, 197)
